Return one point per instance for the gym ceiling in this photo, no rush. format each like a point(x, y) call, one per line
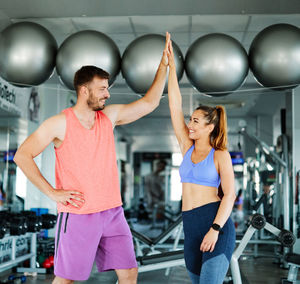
point(125, 20)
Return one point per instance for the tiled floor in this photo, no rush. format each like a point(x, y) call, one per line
point(260, 270)
point(254, 271)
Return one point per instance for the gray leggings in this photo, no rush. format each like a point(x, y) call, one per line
point(213, 271)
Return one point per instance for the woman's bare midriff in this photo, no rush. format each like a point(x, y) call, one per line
point(195, 195)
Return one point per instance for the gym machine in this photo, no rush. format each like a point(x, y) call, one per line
point(160, 261)
point(141, 240)
point(293, 259)
point(282, 174)
point(258, 222)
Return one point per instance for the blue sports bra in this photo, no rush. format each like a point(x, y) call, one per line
point(203, 173)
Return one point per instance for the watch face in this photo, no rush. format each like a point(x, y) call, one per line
point(216, 227)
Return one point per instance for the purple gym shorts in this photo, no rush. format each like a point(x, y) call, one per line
point(81, 239)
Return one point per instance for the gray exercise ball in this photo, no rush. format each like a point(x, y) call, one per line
point(27, 54)
point(87, 48)
point(216, 64)
point(141, 59)
point(274, 56)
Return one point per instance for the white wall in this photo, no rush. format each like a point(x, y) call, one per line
point(53, 99)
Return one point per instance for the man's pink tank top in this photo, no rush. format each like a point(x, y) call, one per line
point(86, 162)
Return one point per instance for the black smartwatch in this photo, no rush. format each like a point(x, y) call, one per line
point(216, 227)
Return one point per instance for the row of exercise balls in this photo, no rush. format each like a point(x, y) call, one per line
point(27, 54)
point(214, 63)
point(274, 56)
point(87, 48)
point(141, 59)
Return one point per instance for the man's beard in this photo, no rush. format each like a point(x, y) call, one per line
point(98, 108)
point(93, 103)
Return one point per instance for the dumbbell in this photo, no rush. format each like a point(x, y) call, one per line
point(49, 262)
point(3, 228)
point(34, 222)
point(18, 225)
point(4, 217)
point(48, 220)
point(17, 279)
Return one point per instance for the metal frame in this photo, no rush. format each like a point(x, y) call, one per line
point(160, 243)
point(234, 265)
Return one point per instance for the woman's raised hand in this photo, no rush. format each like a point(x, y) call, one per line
point(165, 57)
point(171, 60)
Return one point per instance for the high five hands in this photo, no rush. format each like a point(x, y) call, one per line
point(168, 54)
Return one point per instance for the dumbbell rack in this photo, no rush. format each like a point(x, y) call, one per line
point(14, 259)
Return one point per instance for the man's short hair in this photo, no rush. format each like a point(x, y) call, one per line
point(86, 74)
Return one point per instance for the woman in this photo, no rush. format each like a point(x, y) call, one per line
point(209, 232)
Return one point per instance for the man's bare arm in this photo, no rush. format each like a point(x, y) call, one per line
point(126, 113)
point(49, 130)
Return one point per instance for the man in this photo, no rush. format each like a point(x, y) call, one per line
point(154, 184)
point(91, 223)
point(155, 192)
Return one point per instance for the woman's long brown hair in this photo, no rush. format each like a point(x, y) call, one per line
point(217, 117)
